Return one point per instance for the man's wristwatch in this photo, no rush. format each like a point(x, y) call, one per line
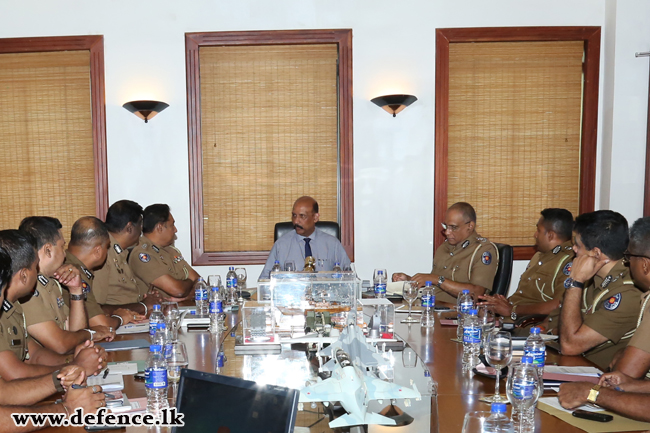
point(593, 394)
point(513, 315)
point(441, 280)
point(570, 282)
point(81, 297)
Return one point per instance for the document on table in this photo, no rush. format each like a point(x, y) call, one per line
point(113, 346)
point(113, 382)
point(555, 403)
point(133, 328)
point(579, 370)
point(122, 368)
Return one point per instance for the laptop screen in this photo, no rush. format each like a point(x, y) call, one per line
point(213, 403)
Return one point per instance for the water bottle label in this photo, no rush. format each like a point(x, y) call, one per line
point(231, 283)
point(156, 378)
point(380, 288)
point(465, 307)
point(538, 355)
point(201, 295)
point(216, 307)
point(428, 301)
point(155, 348)
point(523, 389)
point(153, 327)
point(471, 334)
point(168, 350)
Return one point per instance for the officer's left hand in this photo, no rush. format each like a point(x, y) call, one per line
point(421, 279)
point(129, 316)
point(69, 374)
point(574, 394)
point(69, 276)
point(498, 303)
point(585, 267)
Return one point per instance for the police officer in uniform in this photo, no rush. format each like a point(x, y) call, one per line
point(20, 356)
point(464, 261)
point(541, 286)
point(155, 261)
point(115, 286)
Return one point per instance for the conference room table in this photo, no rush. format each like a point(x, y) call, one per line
point(458, 392)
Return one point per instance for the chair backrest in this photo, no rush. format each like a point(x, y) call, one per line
point(504, 270)
point(329, 227)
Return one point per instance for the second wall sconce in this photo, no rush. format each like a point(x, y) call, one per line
point(145, 109)
point(394, 103)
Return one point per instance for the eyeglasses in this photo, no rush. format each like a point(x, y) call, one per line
point(446, 227)
point(627, 255)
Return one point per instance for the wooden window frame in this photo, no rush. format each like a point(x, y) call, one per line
point(193, 41)
point(94, 44)
point(591, 38)
point(646, 195)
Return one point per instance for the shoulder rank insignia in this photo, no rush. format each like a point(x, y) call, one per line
point(59, 301)
point(612, 303)
point(117, 248)
point(466, 243)
point(6, 306)
point(43, 280)
point(606, 281)
point(88, 273)
point(155, 248)
point(567, 269)
point(144, 258)
point(486, 258)
point(480, 239)
point(557, 249)
point(85, 286)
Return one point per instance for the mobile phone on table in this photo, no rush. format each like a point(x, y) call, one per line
point(139, 376)
point(593, 416)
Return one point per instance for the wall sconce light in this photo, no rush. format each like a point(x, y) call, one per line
point(145, 109)
point(394, 103)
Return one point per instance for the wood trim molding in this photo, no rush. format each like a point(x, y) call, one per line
point(94, 44)
point(591, 38)
point(646, 196)
point(193, 41)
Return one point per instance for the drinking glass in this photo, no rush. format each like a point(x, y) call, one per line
point(487, 321)
point(523, 402)
point(409, 358)
point(498, 352)
point(474, 421)
point(410, 293)
point(289, 266)
point(241, 282)
point(176, 361)
point(214, 281)
point(172, 316)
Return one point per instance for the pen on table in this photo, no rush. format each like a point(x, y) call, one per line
point(105, 373)
point(616, 388)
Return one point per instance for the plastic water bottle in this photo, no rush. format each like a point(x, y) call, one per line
point(471, 340)
point(523, 392)
point(217, 316)
point(536, 349)
point(201, 297)
point(276, 267)
point(163, 337)
point(155, 381)
point(231, 284)
point(464, 303)
point(498, 422)
point(155, 318)
point(380, 284)
point(428, 302)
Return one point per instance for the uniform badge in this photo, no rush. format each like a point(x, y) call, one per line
point(155, 248)
point(59, 302)
point(85, 286)
point(117, 248)
point(178, 259)
point(36, 292)
point(144, 258)
point(43, 280)
point(606, 281)
point(612, 303)
point(466, 243)
point(486, 258)
point(144, 246)
point(567, 268)
point(557, 249)
point(6, 306)
point(88, 273)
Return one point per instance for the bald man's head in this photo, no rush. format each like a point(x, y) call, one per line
point(309, 201)
point(89, 241)
point(304, 215)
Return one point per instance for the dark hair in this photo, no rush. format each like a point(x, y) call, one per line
point(640, 236)
point(5, 269)
point(466, 209)
point(559, 221)
point(603, 229)
point(121, 213)
point(21, 247)
point(88, 231)
point(45, 229)
point(153, 215)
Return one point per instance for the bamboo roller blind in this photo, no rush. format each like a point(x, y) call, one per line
point(269, 135)
point(46, 142)
point(514, 132)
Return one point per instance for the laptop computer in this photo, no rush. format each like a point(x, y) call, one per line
point(213, 403)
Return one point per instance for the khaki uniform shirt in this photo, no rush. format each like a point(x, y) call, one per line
point(92, 307)
point(641, 338)
point(544, 277)
point(150, 261)
point(46, 304)
point(474, 261)
point(13, 335)
point(114, 283)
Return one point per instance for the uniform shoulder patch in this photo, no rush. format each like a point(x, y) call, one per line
point(486, 258)
point(465, 244)
point(42, 279)
point(117, 248)
point(144, 258)
point(567, 269)
point(557, 249)
point(613, 302)
point(85, 286)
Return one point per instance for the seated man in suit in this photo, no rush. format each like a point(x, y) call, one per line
point(20, 355)
point(115, 286)
point(541, 286)
point(306, 241)
point(464, 261)
point(49, 320)
point(600, 309)
point(155, 261)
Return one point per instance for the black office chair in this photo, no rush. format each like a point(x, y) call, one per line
point(504, 270)
point(329, 227)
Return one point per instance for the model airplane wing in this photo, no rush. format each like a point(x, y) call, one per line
point(382, 390)
point(353, 419)
point(327, 390)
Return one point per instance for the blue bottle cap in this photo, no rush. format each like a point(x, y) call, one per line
point(465, 291)
point(473, 312)
point(335, 263)
point(498, 407)
point(426, 373)
point(428, 284)
point(534, 330)
point(526, 360)
point(155, 348)
point(156, 307)
point(380, 272)
point(277, 262)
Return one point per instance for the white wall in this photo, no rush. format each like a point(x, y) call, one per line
point(394, 51)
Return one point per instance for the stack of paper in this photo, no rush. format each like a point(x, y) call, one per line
point(113, 382)
point(133, 328)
